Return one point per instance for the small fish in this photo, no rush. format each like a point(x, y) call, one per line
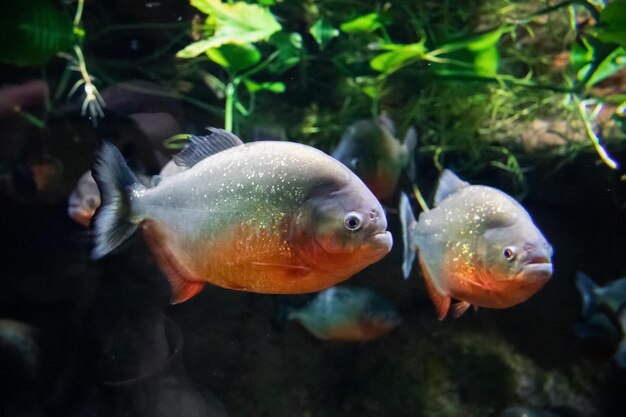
point(612, 296)
point(370, 149)
point(19, 348)
point(85, 198)
point(266, 217)
point(478, 245)
point(352, 314)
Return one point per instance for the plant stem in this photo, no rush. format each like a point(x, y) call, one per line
point(229, 106)
point(604, 155)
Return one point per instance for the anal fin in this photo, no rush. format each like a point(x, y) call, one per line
point(441, 302)
point(181, 281)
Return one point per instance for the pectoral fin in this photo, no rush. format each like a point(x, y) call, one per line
point(289, 271)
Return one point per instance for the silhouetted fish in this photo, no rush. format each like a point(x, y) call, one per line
point(369, 148)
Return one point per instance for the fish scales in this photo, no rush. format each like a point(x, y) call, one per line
point(270, 217)
point(478, 245)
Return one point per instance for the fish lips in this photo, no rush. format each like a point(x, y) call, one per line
point(538, 269)
point(382, 242)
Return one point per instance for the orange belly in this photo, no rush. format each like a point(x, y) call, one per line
point(246, 259)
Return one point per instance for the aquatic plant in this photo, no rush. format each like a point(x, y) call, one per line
point(228, 37)
point(34, 31)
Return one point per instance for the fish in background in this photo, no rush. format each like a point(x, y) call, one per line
point(594, 297)
point(21, 390)
point(266, 217)
point(603, 315)
point(85, 198)
point(353, 314)
point(477, 245)
point(370, 149)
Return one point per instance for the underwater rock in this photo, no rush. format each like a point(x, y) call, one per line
point(541, 135)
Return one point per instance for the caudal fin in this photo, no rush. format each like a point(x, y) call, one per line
point(410, 143)
point(586, 287)
point(110, 223)
point(407, 221)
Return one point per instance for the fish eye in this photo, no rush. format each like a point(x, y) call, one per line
point(352, 222)
point(509, 253)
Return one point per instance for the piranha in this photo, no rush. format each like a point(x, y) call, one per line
point(265, 217)
point(354, 314)
point(477, 245)
point(370, 149)
point(594, 297)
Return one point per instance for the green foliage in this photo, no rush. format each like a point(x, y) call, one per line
point(235, 58)
point(366, 23)
point(398, 56)
point(323, 32)
point(32, 31)
point(238, 23)
point(613, 23)
point(289, 51)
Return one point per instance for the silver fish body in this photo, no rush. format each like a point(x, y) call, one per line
point(348, 314)
point(273, 217)
point(478, 245)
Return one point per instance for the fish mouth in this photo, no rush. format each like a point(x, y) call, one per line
point(538, 268)
point(382, 241)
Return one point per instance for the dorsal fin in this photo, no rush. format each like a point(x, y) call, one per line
point(448, 185)
point(387, 123)
point(201, 147)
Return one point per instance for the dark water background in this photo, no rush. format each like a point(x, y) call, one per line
point(111, 345)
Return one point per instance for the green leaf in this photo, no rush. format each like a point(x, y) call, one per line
point(613, 63)
point(289, 46)
point(32, 31)
point(486, 61)
point(274, 87)
point(323, 32)
point(613, 23)
point(238, 23)
point(366, 23)
point(235, 58)
point(398, 57)
point(476, 42)
point(581, 55)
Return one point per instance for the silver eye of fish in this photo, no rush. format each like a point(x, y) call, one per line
point(509, 253)
point(352, 221)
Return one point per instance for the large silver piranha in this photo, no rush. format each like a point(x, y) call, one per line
point(478, 245)
point(266, 217)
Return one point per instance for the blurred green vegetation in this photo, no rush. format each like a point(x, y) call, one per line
point(486, 82)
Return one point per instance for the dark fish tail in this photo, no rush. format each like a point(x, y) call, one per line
point(587, 291)
point(281, 316)
point(407, 220)
point(410, 143)
point(111, 222)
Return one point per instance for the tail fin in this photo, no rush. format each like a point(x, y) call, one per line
point(410, 143)
point(281, 316)
point(110, 223)
point(407, 220)
point(587, 288)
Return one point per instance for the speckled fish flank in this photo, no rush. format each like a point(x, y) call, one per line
point(478, 245)
point(270, 217)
